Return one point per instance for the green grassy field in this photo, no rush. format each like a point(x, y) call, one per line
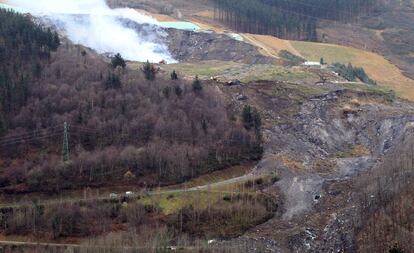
point(225, 71)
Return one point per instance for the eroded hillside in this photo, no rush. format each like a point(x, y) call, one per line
point(233, 149)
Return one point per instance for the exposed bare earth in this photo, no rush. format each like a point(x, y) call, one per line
point(271, 45)
point(377, 67)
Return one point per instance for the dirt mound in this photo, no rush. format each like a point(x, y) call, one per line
point(201, 46)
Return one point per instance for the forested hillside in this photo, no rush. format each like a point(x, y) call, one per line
point(288, 19)
point(123, 128)
point(24, 48)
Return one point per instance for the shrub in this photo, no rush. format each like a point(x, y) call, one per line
point(351, 73)
point(197, 86)
point(251, 118)
point(259, 181)
point(116, 61)
point(227, 198)
point(149, 71)
point(174, 75)
point(396, 249)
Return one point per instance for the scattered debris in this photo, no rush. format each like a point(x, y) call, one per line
point(233, 82)
point(241, 97)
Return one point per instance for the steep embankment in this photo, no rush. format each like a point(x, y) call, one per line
point(319, 139)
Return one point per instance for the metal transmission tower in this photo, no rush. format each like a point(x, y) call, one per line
point(65, 142)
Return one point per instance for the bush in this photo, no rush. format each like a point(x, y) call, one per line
point(351, 73)
point(259, 181)
point(251, 118)
point(227, 198)
point(197, 86)
point(117, 61)
point(396, 249)
point(178, 91)
point(174, 75)
point(149, 71)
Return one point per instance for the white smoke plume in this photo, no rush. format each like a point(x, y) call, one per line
point(100, 27)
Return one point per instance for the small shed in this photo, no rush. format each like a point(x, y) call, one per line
point(312, 64)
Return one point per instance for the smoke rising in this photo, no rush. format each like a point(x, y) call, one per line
point(93, 24)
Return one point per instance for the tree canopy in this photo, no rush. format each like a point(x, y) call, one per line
point(24, 48)
point(288, 19)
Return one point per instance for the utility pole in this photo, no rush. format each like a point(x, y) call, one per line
point(65, 143)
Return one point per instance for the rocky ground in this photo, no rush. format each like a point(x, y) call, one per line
point(319, 144)
point(187, 46)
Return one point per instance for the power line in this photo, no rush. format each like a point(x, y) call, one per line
point(30, 139)
point(27, 134)
point(27, 137)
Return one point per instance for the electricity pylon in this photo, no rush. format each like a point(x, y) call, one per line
point(65, 143)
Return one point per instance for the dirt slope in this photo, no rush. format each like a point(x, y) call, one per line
point(318, 139)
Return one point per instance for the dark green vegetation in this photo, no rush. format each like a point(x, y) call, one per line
point(197, 86)
point(288, 19)
point(118, 61)
point(24, 49)
point(396, 249)
point(251, 118)
point(174, 75)
point(351, 73)
point(125, 126)
point(149, 71)
point(256, 16)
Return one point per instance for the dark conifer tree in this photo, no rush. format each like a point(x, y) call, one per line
point(288, 19)
point(149, 71)
point(197, 86)
point(174, 75)
point(118, 61)
point(24, 49)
